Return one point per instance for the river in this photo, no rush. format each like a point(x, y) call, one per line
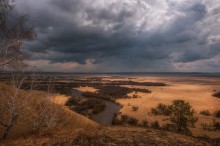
point(106, 116)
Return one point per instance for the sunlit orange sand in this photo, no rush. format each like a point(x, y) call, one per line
point(198, 95)
point(60, 99)
point(86, 89)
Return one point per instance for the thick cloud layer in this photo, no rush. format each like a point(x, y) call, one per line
point(124, 35)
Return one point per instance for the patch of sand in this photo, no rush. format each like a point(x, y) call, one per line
point(60, 99)
point(86, 89)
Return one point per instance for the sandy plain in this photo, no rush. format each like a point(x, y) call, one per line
point(195, 90)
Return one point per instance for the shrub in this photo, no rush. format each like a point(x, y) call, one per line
point(154, 111)
point(132, 121)
point(206, 126)
point(169, 127)
point(125, 118)
point(217, 114)
point(217, 125)
point(205, 113)
point(164, 109)
point(135, 108)
point(161, 109)
point(72, 101)
point(155, 125)
point(135, 96)
point(117, 121)
point(217, 94)
point(141, 90)
point(145, 123)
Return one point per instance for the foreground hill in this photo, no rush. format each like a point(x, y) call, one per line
point(109, 136)
point(37, 110)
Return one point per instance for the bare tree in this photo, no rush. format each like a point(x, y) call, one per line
point(27, 107)
point(12, 33)
point(46, 113)
point(16, 103)
point(13, 102)
point(14, 29)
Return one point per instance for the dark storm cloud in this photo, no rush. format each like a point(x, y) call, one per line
point(134, 34)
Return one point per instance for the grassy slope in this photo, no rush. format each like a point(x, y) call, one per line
point(67, 118)
point(110, 136)
point(74, 120)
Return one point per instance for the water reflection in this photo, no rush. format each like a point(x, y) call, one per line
point(106, 116)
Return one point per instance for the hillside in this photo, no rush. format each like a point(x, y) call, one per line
point(38, 110)
point(109, 136)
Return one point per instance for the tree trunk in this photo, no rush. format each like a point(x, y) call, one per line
point(9, 127)
point(5, 135)
point(179, 129)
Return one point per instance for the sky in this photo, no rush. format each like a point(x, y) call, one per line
point(124, 35)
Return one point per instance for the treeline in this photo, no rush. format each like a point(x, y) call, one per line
point(109, 93)
point(113, 92)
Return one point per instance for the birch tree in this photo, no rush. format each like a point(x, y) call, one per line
point(14, 29)
point(13, 102)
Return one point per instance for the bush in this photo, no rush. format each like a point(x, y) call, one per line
point(206, 126)
point(164, 109)
point(135, 96)
point(145, 123)
point(205, 113)
point(154, 111)
point(155, 125)
point(116, 121)
point(217, 114)
point(169, 127)
point(216, 125)
point(135, 108)
point(72, 101)
point(141, 90)
point(161, 109)
point(132, 121)
point(125, 119)
point(217, 94)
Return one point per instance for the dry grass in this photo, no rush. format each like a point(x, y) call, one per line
point(199, 96)
point(65, 117)
point(60, 99)
point(110, 136)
